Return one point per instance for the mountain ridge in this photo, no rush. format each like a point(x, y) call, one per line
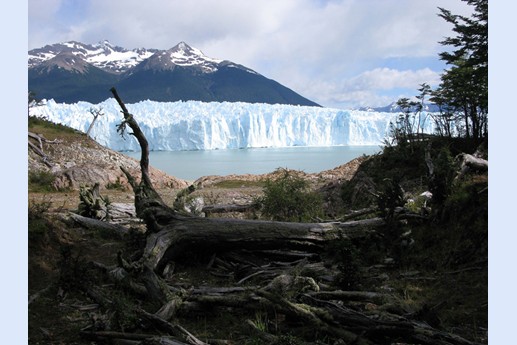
point(179, 73)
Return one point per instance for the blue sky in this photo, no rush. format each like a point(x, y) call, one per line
point(338, 53)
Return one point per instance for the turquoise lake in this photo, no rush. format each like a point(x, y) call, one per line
point(190, 165)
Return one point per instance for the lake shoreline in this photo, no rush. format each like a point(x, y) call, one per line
point(192, 165)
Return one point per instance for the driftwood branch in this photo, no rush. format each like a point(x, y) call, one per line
point(470, 163)
point(95, 224)
point(39, 149)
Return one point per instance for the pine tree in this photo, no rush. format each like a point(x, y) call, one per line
point(464, 86)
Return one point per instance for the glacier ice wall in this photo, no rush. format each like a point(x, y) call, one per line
point(193, 125)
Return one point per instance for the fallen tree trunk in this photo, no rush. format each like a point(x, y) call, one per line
point(228, 208)
point(219, 234)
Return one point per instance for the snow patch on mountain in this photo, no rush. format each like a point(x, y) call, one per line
point(103, 55)
point(116, 59)
point(185, 55)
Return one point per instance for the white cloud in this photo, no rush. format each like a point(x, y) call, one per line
point(376, 87)
point(387, 78)
point(43, 10)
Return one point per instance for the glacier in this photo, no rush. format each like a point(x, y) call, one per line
point(195, 125)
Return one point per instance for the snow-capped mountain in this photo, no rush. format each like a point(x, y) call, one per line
point(103, 55)
point(186, 56)
point(72, 71)
point(180, 55)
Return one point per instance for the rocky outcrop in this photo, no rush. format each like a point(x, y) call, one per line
point(82, 161)
point(341, 173)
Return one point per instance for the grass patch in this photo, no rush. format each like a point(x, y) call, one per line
point(239, 184)
point(117, 185)
point(455, 302)
point(51, 130)
point(38, 225)
point(41, 181)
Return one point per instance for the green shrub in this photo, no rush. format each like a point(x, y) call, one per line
point(73, 270)
point(288, 198)
point(444, 171)
point(124, 316)
point(416, 204)
point(34, 121)
point(287, 339)
point(458, 234)
point(390, 197)
point(37, 223)
point(346, 255)
point(41, 181)
point(238, 184)
point(358, 192)
point(117, 185)
point(37, 209)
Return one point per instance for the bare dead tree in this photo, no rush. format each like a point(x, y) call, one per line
point(96, 113)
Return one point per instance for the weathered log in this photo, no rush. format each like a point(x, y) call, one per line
point(92, 204)
point(121, 212)
point(219, 234)
point(95, 224)
point(470, 162)
point(368, 296)
point(36, 295)
point(130, 338)
point(329, 317)
point(173, 329)
point(116, 335)
point(281, 255)
point(203, 302)
point(156, 288)
point(41, 138)
point(39, 149)
point(220, 290)
point(162, 341)
point(358, 213)
point(312, 317)
point(226, 208)
point(376, 330)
